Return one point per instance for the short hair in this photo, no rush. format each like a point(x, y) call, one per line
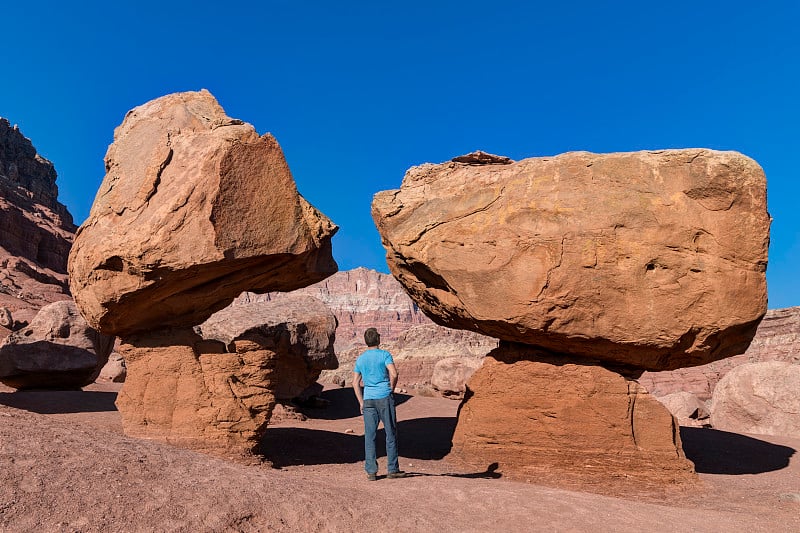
point(372, 337)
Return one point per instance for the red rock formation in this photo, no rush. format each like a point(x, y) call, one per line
point(57, 350)
point(777, 339)
point(654, 260)
point(36, 231)
point(195, 207)
point(533, 412)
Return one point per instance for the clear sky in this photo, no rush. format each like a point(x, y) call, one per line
point(356, 92)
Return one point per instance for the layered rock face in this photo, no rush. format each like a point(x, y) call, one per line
point(36, 231)
point(57, 350)
point(650, 259)
point(215, 387)
point(760, 398)
point(360, 298)
point(194, 209)
point(590, 269)
point(777, 339)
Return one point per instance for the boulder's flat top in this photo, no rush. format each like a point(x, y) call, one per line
point(72, 469)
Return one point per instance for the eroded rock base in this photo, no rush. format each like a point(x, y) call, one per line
point(189, 392)
point(535, 414)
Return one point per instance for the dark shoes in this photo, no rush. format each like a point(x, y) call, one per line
point(372, 477)
point(395, 475)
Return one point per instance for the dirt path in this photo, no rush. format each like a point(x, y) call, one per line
point(65, 466)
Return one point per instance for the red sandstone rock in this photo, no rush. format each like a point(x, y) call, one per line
point(195, 208)
point(655, 260)
point(299, 328)
point(531, 411)
point(760, 398)
point(57, 350)
point(36, 231)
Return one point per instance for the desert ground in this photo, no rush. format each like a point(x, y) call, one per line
point(66, 466)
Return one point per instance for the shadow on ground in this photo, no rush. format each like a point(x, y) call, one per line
point(343, 404)
point(60, 402)
point(420, 438)
point(719, 452)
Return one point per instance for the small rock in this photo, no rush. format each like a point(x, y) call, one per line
point(349, 431)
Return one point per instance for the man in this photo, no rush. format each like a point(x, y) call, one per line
point(375, 371)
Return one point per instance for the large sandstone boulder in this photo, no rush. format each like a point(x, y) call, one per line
point(535, 414)
point(57, 350)
point(687, 409)
point(653, 260)
point(195, 208)
point(214, 387)
point(36, 230)
point(299, 329)
point(759, 398)
point(450, 375)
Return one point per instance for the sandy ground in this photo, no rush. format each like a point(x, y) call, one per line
point(66, 466)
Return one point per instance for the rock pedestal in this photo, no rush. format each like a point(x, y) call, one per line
point(536, 413)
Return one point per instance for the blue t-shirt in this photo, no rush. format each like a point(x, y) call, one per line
point(372, 367)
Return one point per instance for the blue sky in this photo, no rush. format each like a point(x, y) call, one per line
point(357, 92)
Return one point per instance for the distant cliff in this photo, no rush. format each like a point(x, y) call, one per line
point(36, 231)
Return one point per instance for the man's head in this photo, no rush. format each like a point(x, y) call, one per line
point(372, 337)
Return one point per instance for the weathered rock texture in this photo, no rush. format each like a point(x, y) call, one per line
point(195, 208)
point(36, 231)
point(57, 350)
point(300, 330)
point(416, 353)
point(531, 411)
point(760, 398)
point(654, 260)
point(777, 339)
point(687, 409)
point(360, 298)
point(214, 387)
point(114, 370)
point(450, 375)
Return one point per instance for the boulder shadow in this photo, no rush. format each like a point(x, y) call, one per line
point(49, 402)
point(421, 438)
point(720, 452)
point(340, 404)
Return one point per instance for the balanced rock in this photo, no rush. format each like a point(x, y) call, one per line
point(535, 414)
point(652, 260)
point(195, 208)
point(57, 350)
point(214, 387)
point(759, 398)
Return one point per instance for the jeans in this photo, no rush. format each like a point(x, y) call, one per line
point(374, 411)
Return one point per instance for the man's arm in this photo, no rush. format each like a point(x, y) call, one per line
point(357, 390)
point(392, 375)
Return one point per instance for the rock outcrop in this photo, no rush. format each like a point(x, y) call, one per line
point(590, 269)
point(195, 208)
point(533, 412)
point(777, 339)
point(654, 260)
point(57, 350)
point(36, 231)
point(759, 398)
point(360, 298)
